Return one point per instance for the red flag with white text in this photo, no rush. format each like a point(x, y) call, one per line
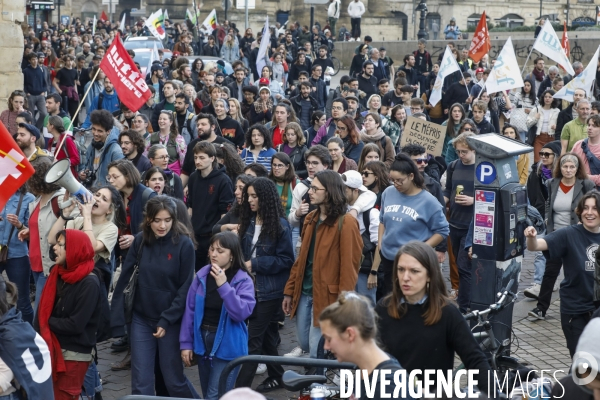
point(15, 169)
point(564, 43)
point(481, 44)
point(129, 83)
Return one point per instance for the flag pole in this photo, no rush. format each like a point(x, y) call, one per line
point(527, 59)
point(77, 112)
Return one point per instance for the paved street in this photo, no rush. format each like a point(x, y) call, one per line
point(541, 344)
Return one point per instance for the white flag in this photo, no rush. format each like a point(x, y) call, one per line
point(506, 74)
point(262, 50)
point(94, 26)
point(166, 14)
point(548, 44)
point(155, 26)
point(449, 66)
point(210, 22)
point(582, 81)
point(122, 26)
point(153, 57)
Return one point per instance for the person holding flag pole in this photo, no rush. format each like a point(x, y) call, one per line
point(549, 45)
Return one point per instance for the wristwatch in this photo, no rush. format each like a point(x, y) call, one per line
point(373, 272)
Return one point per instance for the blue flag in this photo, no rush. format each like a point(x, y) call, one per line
point(27, 355)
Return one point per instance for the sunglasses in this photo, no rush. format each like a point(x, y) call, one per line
point(366, 174)
point(545, 155)
point(421, 160)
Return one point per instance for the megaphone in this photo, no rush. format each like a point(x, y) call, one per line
point(60, 174)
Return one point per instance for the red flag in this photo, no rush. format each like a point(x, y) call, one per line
point(564, 43)
point(103, 16)
point(128, 82)
point(480, 45)
point(15, 169)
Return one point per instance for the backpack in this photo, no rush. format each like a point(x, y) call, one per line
point(101, 100)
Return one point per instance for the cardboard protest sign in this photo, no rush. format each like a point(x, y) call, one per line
point(427, 134)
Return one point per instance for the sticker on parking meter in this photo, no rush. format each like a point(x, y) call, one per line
point(485, 210)
point(485, 172)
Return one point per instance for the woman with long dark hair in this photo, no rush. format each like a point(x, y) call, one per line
point(371, 152)
point(230, 159)
point(419, 311)
point(317, 120)
point(456, 114)
point(545, 117)
point(300, 64)
point(408, 195)
point(219, 301)
point(266, 240)
point(347, 130)
point(231, 220)
point(259, 146)
point(165, 255)
point(169, 136)
point(283, 175)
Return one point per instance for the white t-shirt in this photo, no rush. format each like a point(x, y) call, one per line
point(257, 230)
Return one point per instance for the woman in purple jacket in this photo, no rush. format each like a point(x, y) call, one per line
point(219, 300)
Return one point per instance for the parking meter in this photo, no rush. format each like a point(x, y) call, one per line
point(499, 221)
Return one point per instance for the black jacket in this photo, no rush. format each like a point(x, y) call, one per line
point(156, 113)
point(297, 157)
point(485, 127)
point(211, 51)
point(209, 198)
point(297, 106)
point(320, 94)
point(564, 117)
point(233, 89)
point(412, 75)
point(369, 86)
point(537, 191)
point(161, 84)
point(457, 93)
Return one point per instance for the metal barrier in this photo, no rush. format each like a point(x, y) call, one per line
point(297, 362)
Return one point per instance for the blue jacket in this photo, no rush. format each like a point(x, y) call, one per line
point(112, 152)
point(273, 260)
point(264, 157)
point(34, 80)
point(110, 102)
point(16, 248)
point(238, 304)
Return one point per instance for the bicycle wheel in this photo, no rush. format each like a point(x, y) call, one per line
point(337, 65)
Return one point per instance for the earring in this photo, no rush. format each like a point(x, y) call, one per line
point(428, 286)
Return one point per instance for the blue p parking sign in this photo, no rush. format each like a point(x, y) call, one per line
point(485, 172)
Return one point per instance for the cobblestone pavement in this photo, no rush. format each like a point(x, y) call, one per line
point(541, 344)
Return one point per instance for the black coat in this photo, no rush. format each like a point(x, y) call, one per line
point(297, 157)
point(564, 117)
point(537, 191)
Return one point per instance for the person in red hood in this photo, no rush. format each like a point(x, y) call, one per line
point(68, 313)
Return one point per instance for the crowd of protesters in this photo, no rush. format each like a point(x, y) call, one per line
point(236, 199)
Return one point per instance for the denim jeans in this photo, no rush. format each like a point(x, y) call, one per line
point(210, 369)
point(361, 288)
point(295, 237)
point(457, 237)
point(308, 335)
point(18, 270)
point(91, 382)
point(12, 396)
point(143, 354)
point(539, 264)
point(40, 281)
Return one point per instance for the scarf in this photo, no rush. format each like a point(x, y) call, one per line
point(546, 173)
point(258, 106)
point(539, 75)
point(80, 264)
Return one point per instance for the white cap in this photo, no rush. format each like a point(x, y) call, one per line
point(353, 179)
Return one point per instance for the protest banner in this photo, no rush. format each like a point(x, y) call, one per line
point(428, 134)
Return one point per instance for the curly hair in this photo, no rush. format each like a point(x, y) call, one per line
point(136, 139)
point(335, 202)
point(234, 165)
point(268, 142)
point(269, 211)
point(36, 184)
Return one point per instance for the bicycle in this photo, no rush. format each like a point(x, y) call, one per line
point(499, 359)
point(337, 64)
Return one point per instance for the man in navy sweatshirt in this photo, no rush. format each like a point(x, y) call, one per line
point(210, 196)
point(35, 87)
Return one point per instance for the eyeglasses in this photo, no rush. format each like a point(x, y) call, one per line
point(338, 108)
point(465, 152)
point(312, 163)
point(278, 166)
point(367, 173)
point(161, 158)
point(398, 181)
point(315, 189)
point(420, 160)
point(111, 178)
point(543, 154)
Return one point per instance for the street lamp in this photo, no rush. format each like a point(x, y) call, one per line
point(423, 34)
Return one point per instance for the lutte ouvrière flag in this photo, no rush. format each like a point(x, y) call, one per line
point(480, 45)
point(124, 75)
point(15, 169)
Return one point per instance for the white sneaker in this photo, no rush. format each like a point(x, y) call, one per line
point(351, 39)
point(296, 352)
point(262, 368)
point(532, 292)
